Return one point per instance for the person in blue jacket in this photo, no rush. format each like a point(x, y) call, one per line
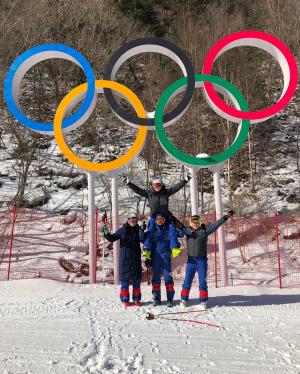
point(159, 243)
point(130, 266)
point(158, 197)
point(196, 236)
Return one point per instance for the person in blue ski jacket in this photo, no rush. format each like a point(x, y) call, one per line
point(130, 266)
point(196, 236)
point(158, 196)
point(160, 243)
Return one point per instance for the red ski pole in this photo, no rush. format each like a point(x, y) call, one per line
point(192, 321)
point(151, 316)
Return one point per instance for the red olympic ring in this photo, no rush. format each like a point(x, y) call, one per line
point(268, 43)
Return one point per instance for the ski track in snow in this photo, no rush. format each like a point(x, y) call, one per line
point(50, 327)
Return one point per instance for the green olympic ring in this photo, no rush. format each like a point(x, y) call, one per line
point(186, 158)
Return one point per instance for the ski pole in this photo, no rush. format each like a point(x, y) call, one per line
point(192, 321)
point(151, 316)
point(180, 312)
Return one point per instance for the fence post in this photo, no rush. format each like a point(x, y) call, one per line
point(12, 238)
point(97, 239)
point(97, 227)
point(215, 254)
point(278, 249)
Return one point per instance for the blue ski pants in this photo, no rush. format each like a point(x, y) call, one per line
point(193, 265)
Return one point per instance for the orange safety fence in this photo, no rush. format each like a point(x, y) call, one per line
point(260, 250)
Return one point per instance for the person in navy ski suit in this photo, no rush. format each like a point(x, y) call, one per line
point(130, 266)
point(160, 243)
point(196, 235)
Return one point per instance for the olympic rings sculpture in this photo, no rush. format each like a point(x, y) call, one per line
point(86, 94)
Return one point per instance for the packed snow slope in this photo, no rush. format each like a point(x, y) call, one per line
point(50, 327)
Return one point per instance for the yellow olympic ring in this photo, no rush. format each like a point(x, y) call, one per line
point(105, 166)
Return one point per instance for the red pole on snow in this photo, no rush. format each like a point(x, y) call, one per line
point(14, 211)
point(278, 249)
point(97, 226)
point(215, 253)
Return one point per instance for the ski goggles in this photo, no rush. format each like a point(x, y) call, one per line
point(86, 95)
point(156, 185)
point(160, 220)
point(196, 219)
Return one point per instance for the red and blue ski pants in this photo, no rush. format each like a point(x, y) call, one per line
point(193, 265)
point(136, 290)
point(162, 264)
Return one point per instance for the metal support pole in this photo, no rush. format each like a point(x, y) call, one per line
point(194, 191)
point(115, 224)
point(92, 227)
point(219, 214)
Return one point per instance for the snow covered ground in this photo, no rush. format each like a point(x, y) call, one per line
point(51, 327)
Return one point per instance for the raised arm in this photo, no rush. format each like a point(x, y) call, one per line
point(113, 237)
point(214, 226)
point(138, 190)
point(178, 186)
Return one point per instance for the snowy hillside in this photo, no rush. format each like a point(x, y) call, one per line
point(59, 186)
point(50, 327)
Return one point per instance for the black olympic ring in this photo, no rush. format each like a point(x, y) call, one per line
point(138, 46)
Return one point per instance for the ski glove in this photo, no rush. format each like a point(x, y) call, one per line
point(104, 230)
point(147, 254)
point(176, 252)
point(228, 215)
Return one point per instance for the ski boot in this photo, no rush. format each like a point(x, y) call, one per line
point(156, 302)
point(183, 303)
point(137, 303)
point(202, 305)
point(169, 303)
point(126, 304)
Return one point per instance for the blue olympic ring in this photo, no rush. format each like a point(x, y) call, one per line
point(9, 92)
